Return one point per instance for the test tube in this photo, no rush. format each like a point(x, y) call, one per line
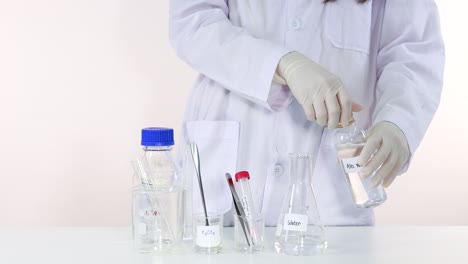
point(245, 195)
point(246, 199)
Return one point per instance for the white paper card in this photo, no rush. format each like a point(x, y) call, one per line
point(208, 236)
point(351, 165)
point(141, 228)
point(295, 222)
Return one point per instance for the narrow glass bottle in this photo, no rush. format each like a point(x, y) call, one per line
point(157, 200)
point(299, 230)
point(349, 142)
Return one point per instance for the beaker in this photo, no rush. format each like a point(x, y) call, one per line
point(154, 220)
point(208, 233)
point(299, 230)
point(249, 238)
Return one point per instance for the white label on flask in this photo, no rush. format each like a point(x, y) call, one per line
point(295, 222)
point(351, 165)
point(141, 228)
point(208, 236)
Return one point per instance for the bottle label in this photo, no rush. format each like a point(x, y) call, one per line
point(295, 222)
point(208, 236)
point(350, 165)
point(147, 213)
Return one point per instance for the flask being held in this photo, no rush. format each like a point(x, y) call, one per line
point(349, 143)
point(299, 230)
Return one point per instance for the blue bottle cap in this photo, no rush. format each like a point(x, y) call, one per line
point(157, 136)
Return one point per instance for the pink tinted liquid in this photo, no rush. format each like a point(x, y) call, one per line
point(358, 191)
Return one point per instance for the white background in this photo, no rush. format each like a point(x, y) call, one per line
point(78, 79)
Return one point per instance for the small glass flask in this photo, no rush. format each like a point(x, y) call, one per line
point(349, 142)
point(299, 230)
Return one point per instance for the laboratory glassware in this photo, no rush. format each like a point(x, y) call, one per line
point(349, 142)
point(248, 212)
point(150, 227)
point(158, 201)
point(188, 168)
point(240, 214)
point(208, 239)
point(245, 194)
point(299, 230)
point(241, 242)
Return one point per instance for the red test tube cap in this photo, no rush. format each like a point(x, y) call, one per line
point(242, 175)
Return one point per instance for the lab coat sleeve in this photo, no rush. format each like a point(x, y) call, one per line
point(204, 37)
point(410, 65)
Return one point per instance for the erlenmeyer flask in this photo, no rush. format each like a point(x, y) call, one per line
point(299, 230)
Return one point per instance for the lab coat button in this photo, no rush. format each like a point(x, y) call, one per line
point(295, 24)
point(278, 170)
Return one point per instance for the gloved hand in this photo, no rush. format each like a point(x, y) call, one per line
point(320, 93)
point(391, 153)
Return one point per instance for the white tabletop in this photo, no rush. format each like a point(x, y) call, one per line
point(358, 245)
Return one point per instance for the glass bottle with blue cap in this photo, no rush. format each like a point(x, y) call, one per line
point(158, 197)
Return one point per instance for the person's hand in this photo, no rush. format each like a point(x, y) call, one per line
point(391, 153)
point(320, 92)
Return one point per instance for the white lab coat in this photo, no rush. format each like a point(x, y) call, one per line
point(389, 55)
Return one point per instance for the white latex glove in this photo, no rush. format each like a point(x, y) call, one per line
point(391, 153)
point(320, 92)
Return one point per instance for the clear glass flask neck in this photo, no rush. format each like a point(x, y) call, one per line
point(352, 134)
point(162, 165)
point(300, 167)
point(161, 153)
point(157, 148)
